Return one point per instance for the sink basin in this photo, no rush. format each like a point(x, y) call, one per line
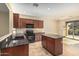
point(14, 41)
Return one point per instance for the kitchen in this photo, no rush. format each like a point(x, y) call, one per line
point(33, 26)
point(21, 40)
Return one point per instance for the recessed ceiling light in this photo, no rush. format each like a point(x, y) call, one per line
point(48, 8)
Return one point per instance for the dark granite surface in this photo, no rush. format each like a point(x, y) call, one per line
point(14, 42)
point(53, 36)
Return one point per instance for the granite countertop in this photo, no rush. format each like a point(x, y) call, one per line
point(53, 36)
point(17, 41)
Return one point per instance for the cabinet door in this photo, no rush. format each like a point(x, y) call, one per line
point(58, 46)
point(44, 41)
point(22, 22)
point(6, 52)
point(15, 20)
point(50, 45)
point(28, 21)
point(36, 24)
point(40, 24)
point(22, 50)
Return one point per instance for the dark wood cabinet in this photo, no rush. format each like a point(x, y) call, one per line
point(15, 20)
point(22, 50)
point(50, 45)
point(21, 22)
point(28, 21)
point(58, 46)
point(38, 24)
point(44, 41)
point(24, 21)
point(54, 46)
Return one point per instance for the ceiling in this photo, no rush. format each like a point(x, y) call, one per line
point(3, 8)
point(46, 9)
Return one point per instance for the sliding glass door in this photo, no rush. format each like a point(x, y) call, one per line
point(73, 29)
point(76, 30)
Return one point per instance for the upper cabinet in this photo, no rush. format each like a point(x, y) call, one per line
point(15, 20)
point(28, 21)
point(38, 24)
point(22, 22)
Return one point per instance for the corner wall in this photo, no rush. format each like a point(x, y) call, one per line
point(50, 26)
point(4, 23)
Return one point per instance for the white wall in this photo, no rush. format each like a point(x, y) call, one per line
point(61, 27)
point(4, 23)
point(10, 21)
point(50, 26)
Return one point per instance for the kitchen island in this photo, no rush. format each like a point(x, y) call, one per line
point(53, 43)
point(18, 46)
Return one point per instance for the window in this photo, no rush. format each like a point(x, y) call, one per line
point(73, 29)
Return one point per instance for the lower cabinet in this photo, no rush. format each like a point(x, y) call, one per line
point(50, 45)
point(54, 46)
point(22, 50)
point(44, 42)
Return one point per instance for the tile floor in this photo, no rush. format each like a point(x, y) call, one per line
point(70, 47)
point(35, 49)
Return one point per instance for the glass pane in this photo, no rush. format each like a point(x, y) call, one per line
point(76, 30)
point(70, 29)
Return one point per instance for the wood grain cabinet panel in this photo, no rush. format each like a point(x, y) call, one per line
point(21, 22)
point(36, 23)
point(24, 21)
point(40, 24)
point(28, 21)
point(58, 46)
point(44, 41)
point(15, 20)
point(54, 46)
point(22, 50)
